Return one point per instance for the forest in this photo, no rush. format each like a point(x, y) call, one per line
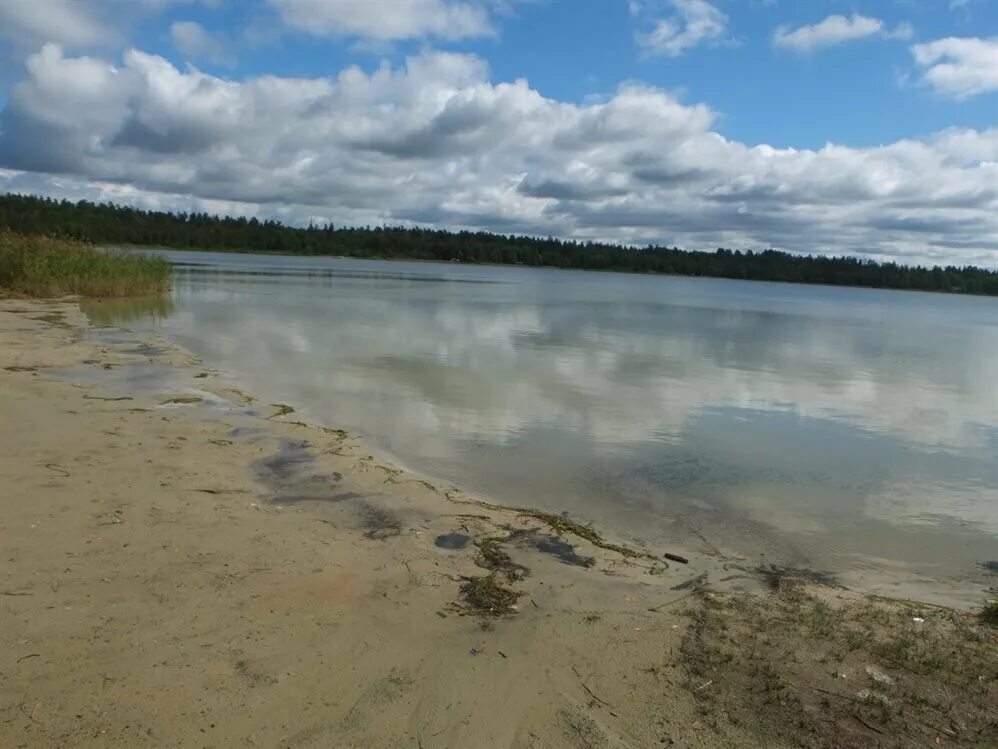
point(107, 224)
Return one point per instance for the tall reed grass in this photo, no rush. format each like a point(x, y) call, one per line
point(47, 267)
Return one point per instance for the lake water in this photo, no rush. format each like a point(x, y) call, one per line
point(848, 430)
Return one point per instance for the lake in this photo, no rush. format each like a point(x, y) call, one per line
point(852, 431)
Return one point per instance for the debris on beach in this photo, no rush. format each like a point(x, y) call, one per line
point(491, 556)
point(486, 596)
point(181, 400)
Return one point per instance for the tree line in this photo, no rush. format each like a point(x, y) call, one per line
point(105, 223)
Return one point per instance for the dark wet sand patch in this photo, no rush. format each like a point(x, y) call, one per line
point(145, 349)
point(277, 470)
point(561, 549)
point(345, 496)
point(378, 523)
point(546, 543)
point(54, 318)
point(252, 433)
point(287, 474)
point(452, 541)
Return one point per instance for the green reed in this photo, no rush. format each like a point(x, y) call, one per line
point(43, 266)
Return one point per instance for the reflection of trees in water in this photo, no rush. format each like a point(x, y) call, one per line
point(126, 309)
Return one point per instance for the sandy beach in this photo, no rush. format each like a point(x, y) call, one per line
point(184, 566)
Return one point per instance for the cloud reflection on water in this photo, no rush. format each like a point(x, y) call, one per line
point(806, 408)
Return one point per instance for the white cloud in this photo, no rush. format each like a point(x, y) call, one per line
point(959, 67)
point(26, 25)
point(193, 41)
point(387, 19)
point(64, 21)
point(696, 22)
point(437, 143)
point(836, 30)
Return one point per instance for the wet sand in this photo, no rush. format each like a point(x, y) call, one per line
point(183, 566)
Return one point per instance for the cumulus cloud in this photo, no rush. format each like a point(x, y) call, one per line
point(835, 30)
point(696, 22)
point(436, 142)
point(387, 19)
point(64, 21)
point(25, 25)
point(194, 42)
point(960, 67)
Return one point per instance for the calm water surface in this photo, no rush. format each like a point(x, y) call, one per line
point(850, 430)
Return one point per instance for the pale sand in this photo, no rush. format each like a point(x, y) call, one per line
point(197, 574)
point(138, 609)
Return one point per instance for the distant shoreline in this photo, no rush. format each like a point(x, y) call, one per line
point(448, 263)
point(121, 225)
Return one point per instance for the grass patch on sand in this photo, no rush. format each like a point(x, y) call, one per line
point(40, 266)
point(811, 666)
point(989, 614)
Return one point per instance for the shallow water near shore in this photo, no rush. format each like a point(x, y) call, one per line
point(847, 431)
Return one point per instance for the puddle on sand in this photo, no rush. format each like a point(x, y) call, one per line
point(452, 541)
point(561, 549)
point(289, 474)
point(291, 478)
point(552, 545)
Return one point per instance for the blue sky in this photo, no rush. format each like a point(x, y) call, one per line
point(860, 93)
point(859, 126)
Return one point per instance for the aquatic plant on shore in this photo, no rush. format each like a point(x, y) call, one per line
point(42, 266)
point(486, 596)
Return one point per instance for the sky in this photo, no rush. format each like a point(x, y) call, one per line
point(861, 127)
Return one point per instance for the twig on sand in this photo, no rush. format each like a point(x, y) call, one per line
point(12, 593)
point(57, 469)
point(29, 655)
point(674, 600)
point(598, 699)
point(871, 727)
point(704, 685)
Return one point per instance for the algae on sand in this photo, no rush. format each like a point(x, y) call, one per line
point(487, 596)
point(491, 556)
